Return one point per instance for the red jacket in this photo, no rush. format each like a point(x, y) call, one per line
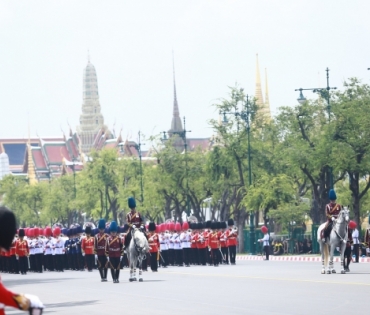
point(332, 210)
point(87, 245)
point(100, 244)
point(153, 242)
point(232, 238)
point(7, 298)
point(214, 240)
point(223, 238)
point(21, 248)
point(114, 246)
point(200, 240)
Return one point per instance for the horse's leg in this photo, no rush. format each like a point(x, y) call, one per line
point(135, 263)
point(331, 263)
point(342, 249)
point(141, 270)
point(322, 257)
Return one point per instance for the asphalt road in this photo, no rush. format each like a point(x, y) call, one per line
point(250, 287)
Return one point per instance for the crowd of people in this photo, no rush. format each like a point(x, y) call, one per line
point(171, 244)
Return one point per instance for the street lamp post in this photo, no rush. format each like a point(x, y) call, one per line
point(137, 146)
point(182, 135)
point(138, 149)
point(245, 114)
point(324, 93)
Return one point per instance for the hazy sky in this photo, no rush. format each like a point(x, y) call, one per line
point(44, 44)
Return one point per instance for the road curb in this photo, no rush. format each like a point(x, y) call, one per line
point(295, 258)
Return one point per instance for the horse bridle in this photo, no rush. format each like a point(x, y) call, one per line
point(335, 221)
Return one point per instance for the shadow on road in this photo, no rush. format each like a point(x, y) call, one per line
point(23, 281)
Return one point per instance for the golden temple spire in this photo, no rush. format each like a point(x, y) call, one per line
point(267, 109)
point(258, 91)
point(31, 174)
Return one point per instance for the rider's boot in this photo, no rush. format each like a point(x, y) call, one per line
point(322, 236)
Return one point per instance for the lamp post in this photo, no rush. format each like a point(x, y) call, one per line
point(324, 93)
point(137, 146)
point(182, 135)
point(245, 114)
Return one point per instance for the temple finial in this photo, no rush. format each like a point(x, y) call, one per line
point(258, 91)
point(31, 174)
point(267, 109)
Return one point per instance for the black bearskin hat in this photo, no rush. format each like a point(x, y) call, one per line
point(88, 230)
point(7, 227)
point(152, 227)
point(21, 233)
point(230, 222)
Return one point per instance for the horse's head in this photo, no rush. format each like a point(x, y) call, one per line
point(344, 214)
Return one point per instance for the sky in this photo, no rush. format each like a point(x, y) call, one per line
point(44, 48)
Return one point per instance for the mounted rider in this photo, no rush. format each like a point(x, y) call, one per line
point(133, 218)
point(332, 211)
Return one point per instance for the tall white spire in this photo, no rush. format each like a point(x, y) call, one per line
point(91, 119)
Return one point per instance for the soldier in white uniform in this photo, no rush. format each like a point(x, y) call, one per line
point(266, 242)
point(163, 247)
point(177, 245)
point(31, 246)
point(185, 238)
point(58, 250)
point(48, 251)
point(356, 244)
point(39, 251)
point(171, 248)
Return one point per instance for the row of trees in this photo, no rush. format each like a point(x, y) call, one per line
point(291, 158)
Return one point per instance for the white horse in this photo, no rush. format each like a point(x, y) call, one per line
point(136, 253)
point(338, 238)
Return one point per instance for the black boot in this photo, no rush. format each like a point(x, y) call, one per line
point(113, 273)
point(101, 274)
point(117, 275)
point(105, 272)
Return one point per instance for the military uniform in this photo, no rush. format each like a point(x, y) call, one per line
point(22, 252)
point(232, 239)
point(114, 252)
point(332, 211)
point(87, 247)
point(154, 246)
point(99, 250)
point(214, 244)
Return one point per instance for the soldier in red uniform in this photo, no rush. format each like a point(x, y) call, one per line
point(153, 240)
point(114, 251)
point(332, 210)
point(223, 242)
point(100, 241)
point(201, 245)
point(214, 244)
point(348, 251)
point(232, 238)
point(132, 218)
point(87, 247)
point(13, 264)
point(22, 252)
point(8, 298)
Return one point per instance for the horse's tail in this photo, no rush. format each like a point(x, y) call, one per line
point(326, 253)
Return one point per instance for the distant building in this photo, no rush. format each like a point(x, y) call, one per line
point(4, 165)
point(177, 129)
point(91, 119)
point(263, 104)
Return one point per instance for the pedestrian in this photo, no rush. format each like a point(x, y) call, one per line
point(265, 241)
point(356, 243)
